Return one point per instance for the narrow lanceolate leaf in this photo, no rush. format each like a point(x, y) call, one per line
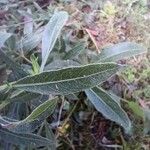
point(20, 97)
point(42, 111)
point(3, 37)
point(50, 135)
point(104, 103)
point(120, 51)
point(3, 95)
point(16, 68)
point(75, 51)
point(5, 121)
point(23, 139)
point(51, 33)
point(34, 120)
point(30, 41)
point(28, 26)
point(68, 80)
point(59, 64)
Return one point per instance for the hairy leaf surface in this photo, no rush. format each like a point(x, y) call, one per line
point(3, 37)
point(34, 120)
point(20, 97)
point(111, 109)
point(50, 135)
point(120, 51)
point(42, 110)
point(23, 139)
point(16, 68)
point(51, 33)
point(30, 41)
point(68, 80)
point(59, 64)
point(75, 51)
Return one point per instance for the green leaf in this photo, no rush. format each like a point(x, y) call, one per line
point(51, 33)
point(68, 80)
point(50, 135)
point(23, 139)
point(16, 68)
point(35, 65)
point(75, 51)
point(3, 37)
point(28, 26)
point(30, 41)
point(42, 111)
point(19, 97)
point(59, 64)
point(60, 45)
point(3, 95)
point(4, 121)
point(104, 103)
point(34, 120)
point(134, 106)
point(120, 51)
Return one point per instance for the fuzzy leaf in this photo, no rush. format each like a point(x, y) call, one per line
point(104, 103)
point(20, 97)
point(50, 135)
point(68, 80)
point(120, 51)
point(34, 120)
point(3, 37)
point(16, 68)
point(59, 64)
point(42, 110)
point(30, 41)
point(75, 51)
point(4, 121)
point(28, 26)
point(51, 33)
point(23, 139)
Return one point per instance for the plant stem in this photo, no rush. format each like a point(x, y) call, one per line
point(66, 120)
point(60, 111)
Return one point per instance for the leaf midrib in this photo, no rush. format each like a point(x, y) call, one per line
point(109, 107)
point(47, 108)
point(110, 56)
point(59, 81)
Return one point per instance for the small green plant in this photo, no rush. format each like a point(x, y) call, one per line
point(49, 78)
